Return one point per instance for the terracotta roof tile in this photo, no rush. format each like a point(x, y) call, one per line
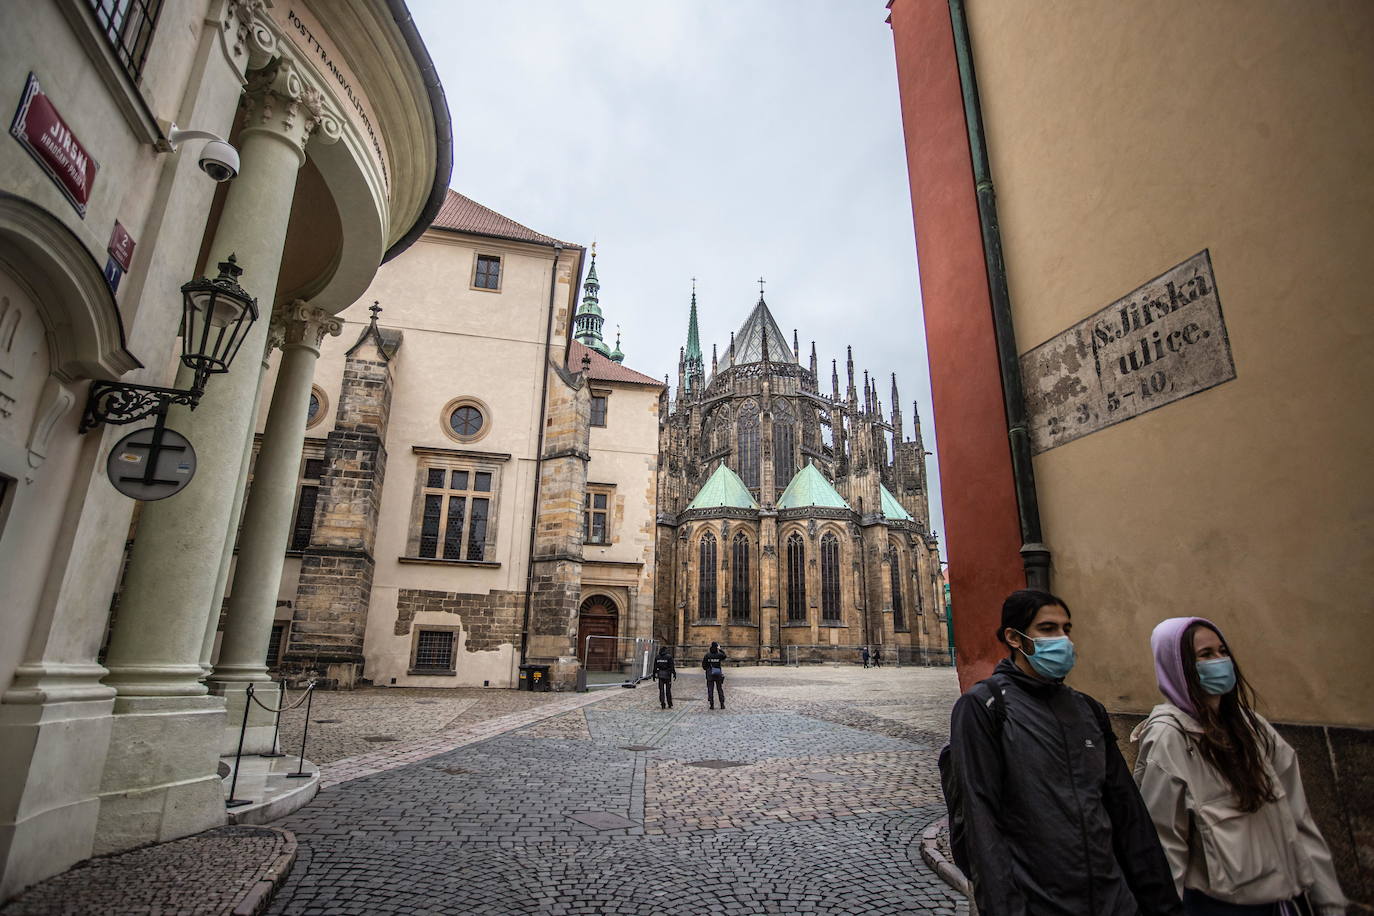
point(606, 370)
point(463, 214)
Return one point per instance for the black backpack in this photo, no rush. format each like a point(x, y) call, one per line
point(991, 692)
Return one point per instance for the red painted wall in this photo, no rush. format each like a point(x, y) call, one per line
point(982, 530)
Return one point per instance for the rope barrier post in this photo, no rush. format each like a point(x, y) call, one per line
point(233, 802)
point(300, 767)
point(276, 727)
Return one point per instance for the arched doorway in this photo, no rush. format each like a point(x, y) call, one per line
point(598, 616)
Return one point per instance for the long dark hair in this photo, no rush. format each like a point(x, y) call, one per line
point(1233, 741)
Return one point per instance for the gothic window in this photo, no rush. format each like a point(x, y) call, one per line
point(486, 274)
point(895, 573)
point(706, 578)
point(740, 603)
point(784, 442)
point(749, 445)
point(830, 579)
point(455, 507)
point(796, 580)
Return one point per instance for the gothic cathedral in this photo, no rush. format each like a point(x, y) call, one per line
point(792, 525)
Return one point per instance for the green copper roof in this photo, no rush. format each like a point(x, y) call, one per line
point(723, 489)
point(810, 488)
point(891, 508)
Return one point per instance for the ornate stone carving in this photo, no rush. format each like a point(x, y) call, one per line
point(281, 98)
point(300, 324)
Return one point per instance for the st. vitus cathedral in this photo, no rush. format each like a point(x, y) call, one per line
point(792, 524)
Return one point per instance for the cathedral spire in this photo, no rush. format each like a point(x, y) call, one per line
point(695, 370)
point(896, 413)
point(835, 379)
point(796, 347)
point(868, 395)
point(588, 320)
point(713, 359)
point(814, 377)
point(853, 397)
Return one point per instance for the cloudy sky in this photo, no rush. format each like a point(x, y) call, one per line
point(725, 140)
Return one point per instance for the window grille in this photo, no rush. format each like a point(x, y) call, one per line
point(895, 573)
point(796, 580)
point(434, 650)
point(741, 607)
point(274, 644)
point(304, 522)
point(128, 26)
point(488, 274)
point(706, 578)
point(830, 579)
point(453, 517)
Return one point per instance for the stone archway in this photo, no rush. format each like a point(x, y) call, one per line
point(598, 616)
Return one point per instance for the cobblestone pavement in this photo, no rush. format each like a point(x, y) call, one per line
point(212, 873)
point(808, 794)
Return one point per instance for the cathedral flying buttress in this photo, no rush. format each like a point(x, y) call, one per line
point(792, 523)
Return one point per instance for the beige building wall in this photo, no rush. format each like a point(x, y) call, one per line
point(1124, 139)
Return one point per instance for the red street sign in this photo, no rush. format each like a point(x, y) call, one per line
point(40, 130)
point(121, 246)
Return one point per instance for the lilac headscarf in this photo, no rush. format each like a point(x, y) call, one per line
point(1167, 644)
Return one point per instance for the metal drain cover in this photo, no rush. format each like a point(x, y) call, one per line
point(426, 702)
point(717, 764)
point(328, 721)
point(377, 739)
point(639, 747)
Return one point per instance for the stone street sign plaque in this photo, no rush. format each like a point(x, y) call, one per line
point(1159, 343)
point(151, 463)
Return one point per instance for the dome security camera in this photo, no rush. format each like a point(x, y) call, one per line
point(219, 160)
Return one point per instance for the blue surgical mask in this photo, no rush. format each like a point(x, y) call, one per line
point(1053, 657)
point(1217, 675)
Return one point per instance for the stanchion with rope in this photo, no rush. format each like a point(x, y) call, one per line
point(233, 802)
point(276, 726)
point(300, 765)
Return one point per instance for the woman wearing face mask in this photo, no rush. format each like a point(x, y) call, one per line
point(1045, 820)
point(1224, 790)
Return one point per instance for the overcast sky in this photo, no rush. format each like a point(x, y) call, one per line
point(718, 139)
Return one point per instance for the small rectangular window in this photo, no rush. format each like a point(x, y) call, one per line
point(274, 643)
point(488, 272)
point(433, 650)
point(307, 498)
point(596, 508)
point(599, 409)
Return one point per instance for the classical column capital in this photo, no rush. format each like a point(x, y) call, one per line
point(248, 29)
point(300, 324)
point(282, 100)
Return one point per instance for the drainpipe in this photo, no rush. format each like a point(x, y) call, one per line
point(1035, 555)
point(539, 454)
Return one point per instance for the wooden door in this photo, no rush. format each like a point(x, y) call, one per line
point(598, 617)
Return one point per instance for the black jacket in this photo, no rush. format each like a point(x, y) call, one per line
point(711, 660)
point(664, 668)
point(1054, 823)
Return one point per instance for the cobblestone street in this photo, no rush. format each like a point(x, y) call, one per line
point(807, 795)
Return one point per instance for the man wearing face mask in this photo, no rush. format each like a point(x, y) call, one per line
point(1046, 817)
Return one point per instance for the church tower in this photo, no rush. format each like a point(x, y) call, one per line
point(587, 323)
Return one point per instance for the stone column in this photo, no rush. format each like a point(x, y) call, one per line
point(160, 777)
point(299, 329)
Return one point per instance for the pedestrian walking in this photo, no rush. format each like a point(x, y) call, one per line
point(713, 663)
point(1044, 816)
point(665, 672)
point(877, 656)
point(1224, 789)
point(864, 655)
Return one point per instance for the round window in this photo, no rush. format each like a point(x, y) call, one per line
point(466, 421)
point(314, 409)
point(318, 408)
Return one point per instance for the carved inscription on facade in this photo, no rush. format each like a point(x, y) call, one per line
point(1157, 344)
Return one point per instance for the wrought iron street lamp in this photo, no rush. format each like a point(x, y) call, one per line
point(216, 316)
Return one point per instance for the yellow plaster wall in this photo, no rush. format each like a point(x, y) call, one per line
point(1124, 138)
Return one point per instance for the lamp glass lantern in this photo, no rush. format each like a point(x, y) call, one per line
point(216, 316)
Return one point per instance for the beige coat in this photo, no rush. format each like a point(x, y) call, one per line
point(1241, 857)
